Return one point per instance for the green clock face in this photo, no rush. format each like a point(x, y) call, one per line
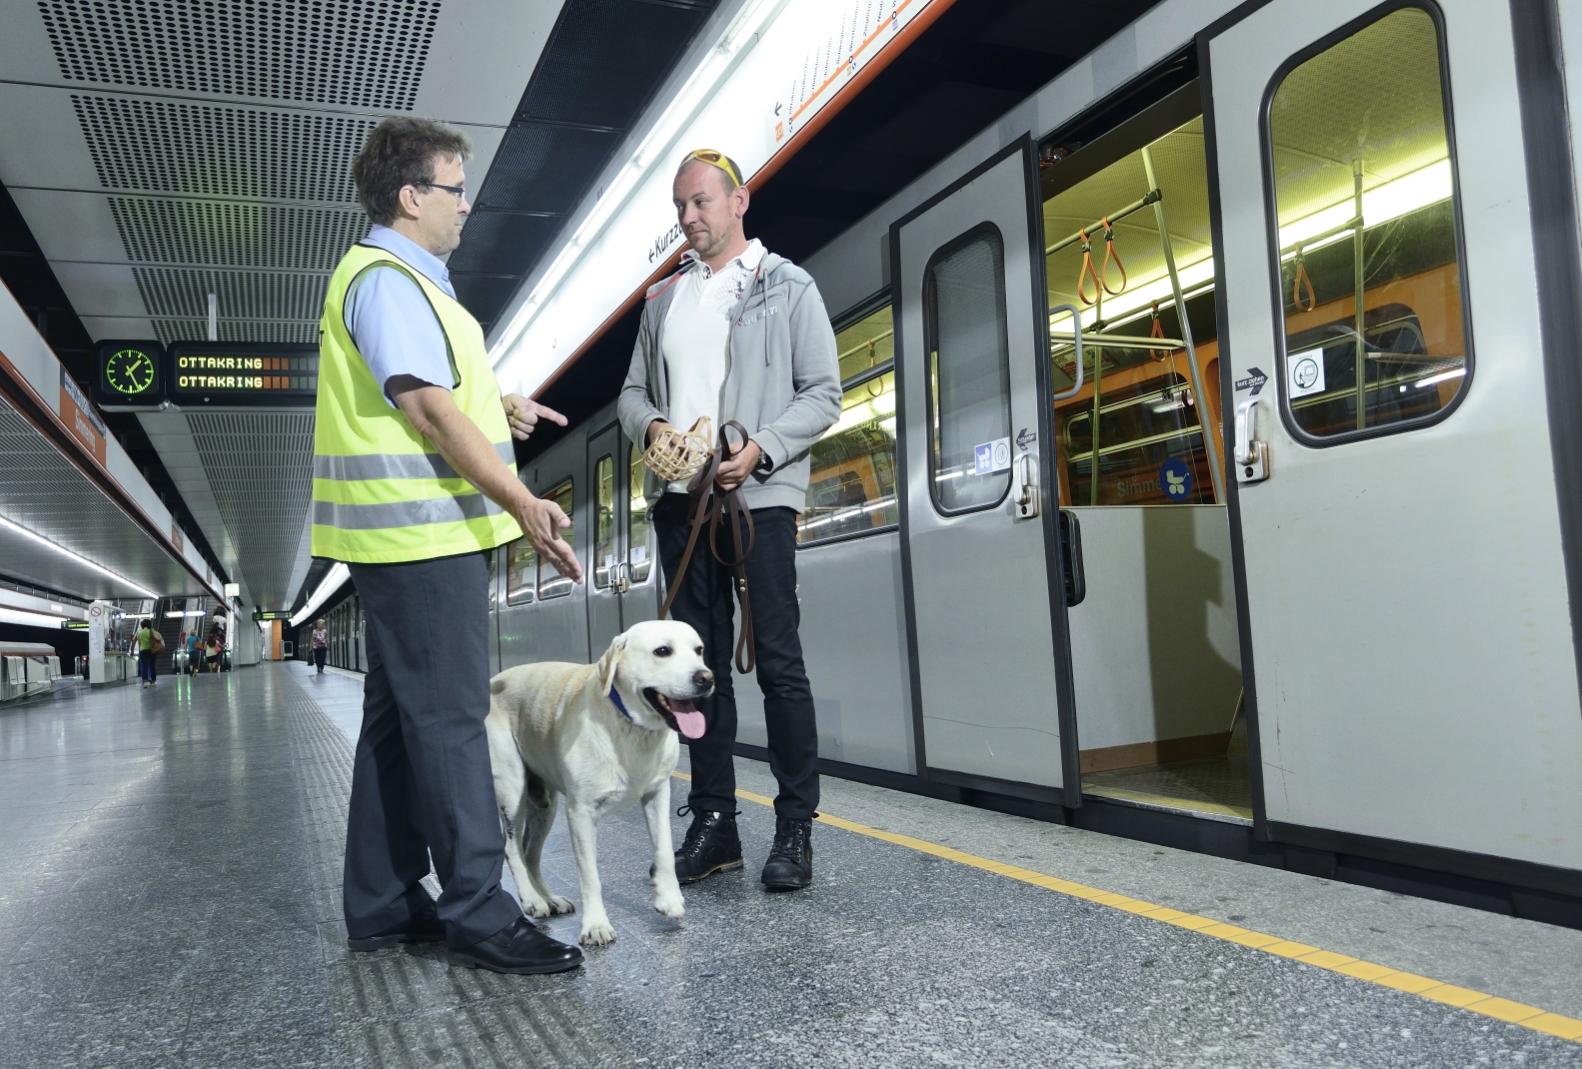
point(129, 371)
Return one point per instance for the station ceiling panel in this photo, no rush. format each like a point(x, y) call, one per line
point(43, 492)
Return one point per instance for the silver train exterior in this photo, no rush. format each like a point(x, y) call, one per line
point(1342, 623)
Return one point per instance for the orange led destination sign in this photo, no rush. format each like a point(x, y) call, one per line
point(236, 373)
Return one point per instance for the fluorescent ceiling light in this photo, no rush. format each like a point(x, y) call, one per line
point(1433, 380)
point(698, 89)
point(78, 557)
point(331, 583)
point(1391, 200)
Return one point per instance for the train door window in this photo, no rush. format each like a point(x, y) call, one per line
point(1364, 195)
point(603, 521)
point(852, 486)
point(637, 525)
point(969, 373)
point(551, 584)
point(1133, 435)
point(521, 571)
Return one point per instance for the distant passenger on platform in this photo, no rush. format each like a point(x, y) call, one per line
point(144, 640)
point(739, 333)
point(414, 483)
point(321, 644)
point(193, 655)
point(214, 647)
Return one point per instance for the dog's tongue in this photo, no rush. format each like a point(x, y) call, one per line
point(688, 719)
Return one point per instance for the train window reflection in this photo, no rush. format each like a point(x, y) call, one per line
point(969, 376)
point(603, 521)
point(521, 572)
point(636, 519)
point(1113, 234)
point(852, 487)
point(551, 584)
point(1363, 190)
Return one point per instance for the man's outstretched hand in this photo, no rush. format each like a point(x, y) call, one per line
point(524, 415)
point(542, 521)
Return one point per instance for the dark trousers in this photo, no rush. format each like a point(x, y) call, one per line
point(421, 781)
point(319, 654)
point(706, 601)
point(145, 665)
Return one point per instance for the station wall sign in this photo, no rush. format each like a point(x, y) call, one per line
point(242, 374)
point(272, 614)
point(130, 375)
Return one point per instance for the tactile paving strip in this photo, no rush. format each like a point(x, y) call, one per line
point(408, 1008)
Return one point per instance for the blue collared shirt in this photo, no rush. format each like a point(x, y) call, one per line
point(390, 319)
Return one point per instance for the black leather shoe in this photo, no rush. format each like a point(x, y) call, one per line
point(424, 927)
point(790, 864)
point(711, 846)
point(518, 948)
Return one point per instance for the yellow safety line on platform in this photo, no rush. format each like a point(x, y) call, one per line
point(1489, 1005)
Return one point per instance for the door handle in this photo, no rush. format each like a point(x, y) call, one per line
point(1252, 453)
point(1076, 340)
point(1027, 498)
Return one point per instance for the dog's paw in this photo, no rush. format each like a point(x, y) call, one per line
point(560, 906)
point(670, 905)
point(536, 907)
point(598, 934)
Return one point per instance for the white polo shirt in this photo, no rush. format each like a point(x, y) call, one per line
point(697, 334)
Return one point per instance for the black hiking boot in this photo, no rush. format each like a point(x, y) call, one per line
point(711, 846)
point(790, 864)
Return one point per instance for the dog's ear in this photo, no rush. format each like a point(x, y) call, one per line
point(610, 662)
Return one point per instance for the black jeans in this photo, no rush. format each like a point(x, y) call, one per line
point(319, 655)
point(421, 781)
point(706, 601)
point(145, 665)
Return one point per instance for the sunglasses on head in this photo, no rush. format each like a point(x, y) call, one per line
point(715, 158)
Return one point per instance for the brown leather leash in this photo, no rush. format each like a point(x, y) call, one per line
point(709, 506)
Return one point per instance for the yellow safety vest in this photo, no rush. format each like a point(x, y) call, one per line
point(381, 492)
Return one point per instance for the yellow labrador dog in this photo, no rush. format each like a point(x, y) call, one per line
point(603, 735)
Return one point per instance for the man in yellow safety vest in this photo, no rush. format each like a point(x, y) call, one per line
point(414, 483)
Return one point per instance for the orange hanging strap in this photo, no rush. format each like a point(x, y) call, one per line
point(1158, 331)
point(1086, 271)
point(1301, 282)
point(1111, 253)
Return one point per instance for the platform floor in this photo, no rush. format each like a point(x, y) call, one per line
point(171, 898)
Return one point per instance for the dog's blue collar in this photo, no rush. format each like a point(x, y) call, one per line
point(615, 697)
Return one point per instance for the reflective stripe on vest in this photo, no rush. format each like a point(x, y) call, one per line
point(395, 465)
point(403, 513)
point(381, 494)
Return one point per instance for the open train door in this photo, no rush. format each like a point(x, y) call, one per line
point(1406, 638)
point(985, 602)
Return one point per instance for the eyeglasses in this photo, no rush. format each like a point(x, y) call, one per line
point(460, 191)
point(715, 158)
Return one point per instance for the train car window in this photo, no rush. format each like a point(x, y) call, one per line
point(603, 521)
point(1369, 268)
point(866, 344)
point(521, 572)
point(551, 584)
point(637, 558)
point(969, 372)
point(851, 489)
point(1134, 434)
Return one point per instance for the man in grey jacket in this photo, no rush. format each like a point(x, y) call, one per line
point(741, 334)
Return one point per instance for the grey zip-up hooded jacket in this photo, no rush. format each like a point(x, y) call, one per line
point(782, 379)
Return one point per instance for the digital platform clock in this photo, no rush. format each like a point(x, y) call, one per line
point(130, 374)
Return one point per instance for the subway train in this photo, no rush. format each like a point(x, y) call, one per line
point(1207, 468)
